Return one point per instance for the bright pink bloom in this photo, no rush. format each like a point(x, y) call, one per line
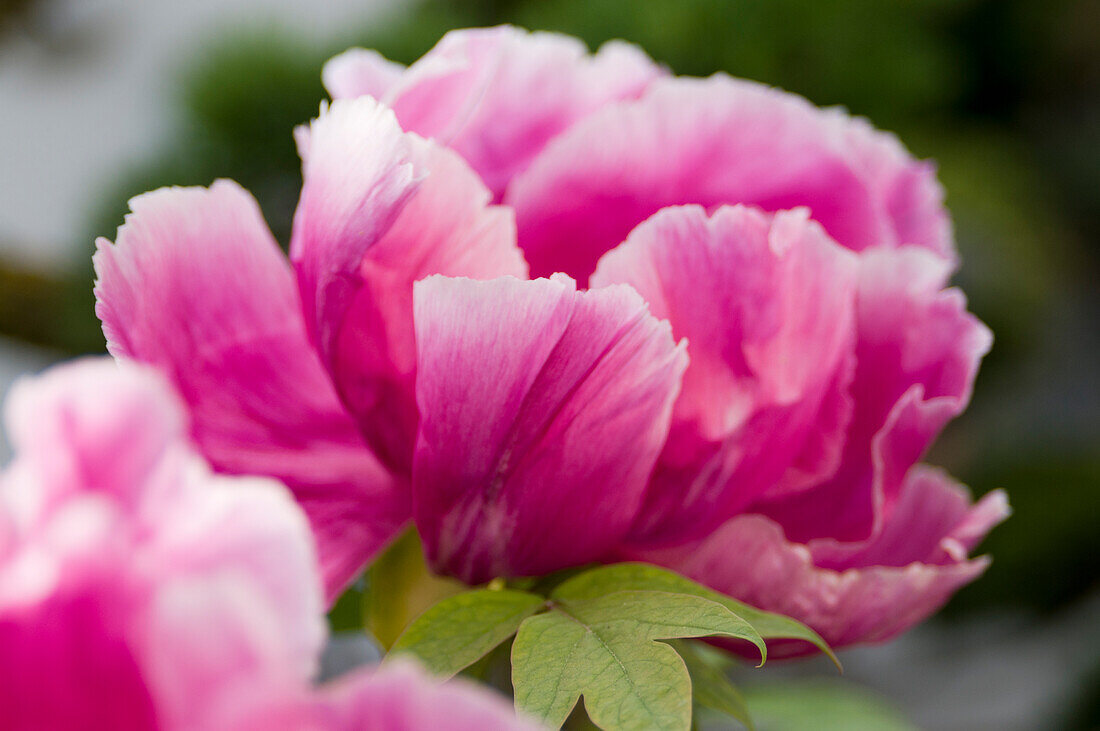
point(803, 255)
point(140, 591)
point(496, 95)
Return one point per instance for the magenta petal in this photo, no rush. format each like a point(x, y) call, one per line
point(197, 286)
point(66, 662)
point(896, 581)
point(542, 412)
point(497, 95)
point(766, 304)
point(720, 141)
point(918, 352)
point(447, 227)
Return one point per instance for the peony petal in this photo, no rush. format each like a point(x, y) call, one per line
point(66, 662)
point(497, 95)
point(401, 696)
point(766, 304)
point(240, 614)
point(360, 72)
point(750, 559)
point(397, 696)
point(918, 353)
point(358, 173)
point(447, 227)
point(116, 440)
point(542, 412)
point(196, 286)
point(714, 141)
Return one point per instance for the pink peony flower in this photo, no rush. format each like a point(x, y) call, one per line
point(140, 591)
point(526, 426)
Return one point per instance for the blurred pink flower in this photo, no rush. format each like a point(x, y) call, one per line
point(397, 696)
point(138, 590)
point(803, 255)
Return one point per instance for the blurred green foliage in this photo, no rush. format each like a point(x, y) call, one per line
point(1004, 94)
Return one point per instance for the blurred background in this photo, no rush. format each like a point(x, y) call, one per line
point(104, 99)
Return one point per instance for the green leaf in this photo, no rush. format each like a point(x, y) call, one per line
point(400, 587)
point(462, 629)
point(645, 577)
point(606, 649)
point(709, 685)
point(823, 705)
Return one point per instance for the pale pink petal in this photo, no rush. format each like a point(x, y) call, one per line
point(766, 304)
point(447, 227)
point(197, 286)
point(900, 578)
point(401, 697)
point(397, 696)
point(542, 412)
point(360, 72)
point(497, 95)
point(116, 441)
point(714, 141)
point(918, 352)
point(236, 604)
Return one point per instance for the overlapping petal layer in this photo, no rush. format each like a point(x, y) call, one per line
point(365, 230)
point(766, 304)
point(917, 354)
point(720, 141)
point(886, 585)
point(542, 412)
point(496, 95)
point(197, 286)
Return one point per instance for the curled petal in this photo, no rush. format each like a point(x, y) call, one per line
point(381, 209)
point(766, 304)
point(721, 141)
point(197, 286)
point(496, 95)
point(542, 412)
point(357, 175)
point(897, 580)
point(917, 354)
